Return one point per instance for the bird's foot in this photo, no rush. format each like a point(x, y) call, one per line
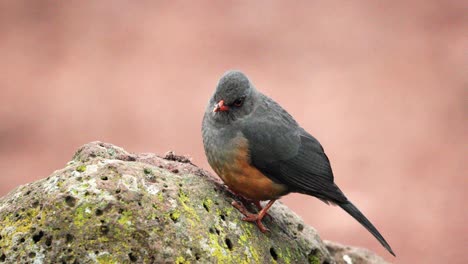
point(249, 217)
point(257, 218)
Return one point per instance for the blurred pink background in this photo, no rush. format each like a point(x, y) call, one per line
point(382, 85)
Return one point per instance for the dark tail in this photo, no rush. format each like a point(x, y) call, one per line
point(354, 212)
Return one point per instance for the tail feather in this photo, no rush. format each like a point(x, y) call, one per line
point(354, 212)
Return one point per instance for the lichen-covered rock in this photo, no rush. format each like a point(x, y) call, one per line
point(109, 206)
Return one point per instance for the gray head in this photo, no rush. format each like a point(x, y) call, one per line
point(233, 98)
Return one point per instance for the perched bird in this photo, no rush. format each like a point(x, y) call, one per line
point(261, 153)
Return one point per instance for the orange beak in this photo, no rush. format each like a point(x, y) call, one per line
point(221, 107)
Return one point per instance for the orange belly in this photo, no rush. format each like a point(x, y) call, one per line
point(245, 179)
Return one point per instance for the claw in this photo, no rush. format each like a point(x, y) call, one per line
point(255, 218)
point(262, 227)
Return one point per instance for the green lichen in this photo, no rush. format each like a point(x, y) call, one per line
point(160, 197)
point(218, 251)
point(184, 201)
point(81, 168)
point(246, 240)
point(82, 214)
point(221, 252)
point(207, 203)
point(183, 197)
point(181, 260)
point(17, 224)
point(174, 215)
point(313, 259)
point(60, 184)
point(105, 259)
point(286, 257)
point(126, 218)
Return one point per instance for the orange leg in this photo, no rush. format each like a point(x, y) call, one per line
point(244, 202)
point(257, 218)
point(241, 208)
point(259, 207)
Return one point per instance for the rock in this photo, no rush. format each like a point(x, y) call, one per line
point(352, 255)
point(110, 206)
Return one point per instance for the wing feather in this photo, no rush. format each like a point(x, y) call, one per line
point(287, 154)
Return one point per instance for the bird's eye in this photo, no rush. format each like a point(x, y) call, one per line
point(238, 102)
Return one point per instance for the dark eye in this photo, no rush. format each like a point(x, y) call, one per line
point(238, 102)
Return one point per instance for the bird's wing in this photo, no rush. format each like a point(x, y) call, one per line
point(287, 154)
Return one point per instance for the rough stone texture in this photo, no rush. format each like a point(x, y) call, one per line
point(110, 206)
point(352, 255)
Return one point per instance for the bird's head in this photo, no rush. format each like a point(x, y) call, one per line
point(233, 98)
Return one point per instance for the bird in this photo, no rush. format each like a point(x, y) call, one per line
point(261, 153)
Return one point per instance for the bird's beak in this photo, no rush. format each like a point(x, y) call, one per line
point(220, 107)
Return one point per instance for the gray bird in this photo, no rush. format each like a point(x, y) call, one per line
point(261, 153)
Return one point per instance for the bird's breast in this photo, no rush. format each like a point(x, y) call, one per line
point(231, 161)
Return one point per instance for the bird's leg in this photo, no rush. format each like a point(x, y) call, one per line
point(244, 201)
point(257, 218)
point(241, 208)
point(259, 207)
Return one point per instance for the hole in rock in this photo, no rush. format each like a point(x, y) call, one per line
point(273, 254)
point(228, 243)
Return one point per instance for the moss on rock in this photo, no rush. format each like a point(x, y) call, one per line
point(109, 206)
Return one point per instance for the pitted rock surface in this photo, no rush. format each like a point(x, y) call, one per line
point(111, 206)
